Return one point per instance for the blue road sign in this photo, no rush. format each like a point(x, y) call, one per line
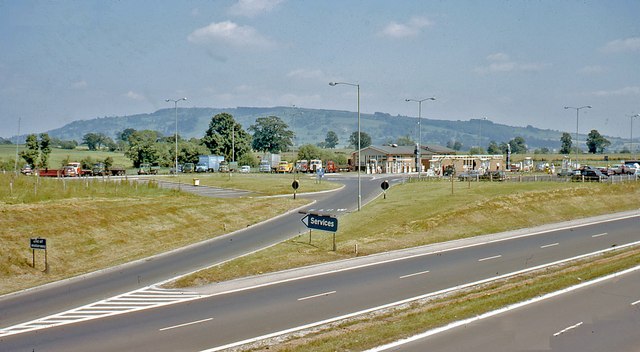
point(318, 222)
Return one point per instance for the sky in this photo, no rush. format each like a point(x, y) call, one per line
point(513, 62)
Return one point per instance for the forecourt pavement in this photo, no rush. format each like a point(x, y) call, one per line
point(288, 302)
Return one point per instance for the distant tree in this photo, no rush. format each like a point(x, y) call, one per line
point(493, 148)
point(225, 135)
point(188, 152)
point(45, 149)
point(94, 141)
point(32, 152)
point(476, 151)
point(596, 142)
point(248, 159)
point(331, 140)
point(124, 134)
point(566, 141)
point(308, 152)
point(143, 148)
point(108, 162)
point(271, 134)
point(518, 145)
point(405, 141)
point(365, 140)
point(625, 150)
point(543, 150)
point(5, 141)
point(455, 145)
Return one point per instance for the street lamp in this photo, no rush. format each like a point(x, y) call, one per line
point(358, 165)
point(175, 105)
point(577, 118)
point(631, 136)
point(418, 153)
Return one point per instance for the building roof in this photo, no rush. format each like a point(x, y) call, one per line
point(409, 150)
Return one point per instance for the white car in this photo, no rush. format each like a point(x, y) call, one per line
point(245, 169)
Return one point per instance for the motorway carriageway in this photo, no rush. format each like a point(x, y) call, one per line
point(221, 320)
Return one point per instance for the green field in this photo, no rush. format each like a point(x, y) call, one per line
point(58, 156)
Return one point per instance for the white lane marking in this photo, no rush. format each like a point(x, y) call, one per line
point(600, 235)
point(185, 324)
point(414, 274)
point(549, 245)
point(489, 258)
point(567, 329)
point(496, 312)
point(316, 296)
point(634, 303)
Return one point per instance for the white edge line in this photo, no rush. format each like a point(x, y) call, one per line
point(634, 303)
point(316, 296)
point(499, 311)
point(427, 295)
point(600, 235)
point(185, 324)
point(414, 274)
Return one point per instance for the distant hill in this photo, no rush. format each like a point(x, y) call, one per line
point(312, 125)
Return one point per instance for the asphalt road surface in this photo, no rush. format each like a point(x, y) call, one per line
point(219, 320)
point(600, 317)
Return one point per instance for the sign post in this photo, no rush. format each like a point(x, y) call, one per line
point(322, 222)
point(385, 187)
point(295, 186)
point(39, 243)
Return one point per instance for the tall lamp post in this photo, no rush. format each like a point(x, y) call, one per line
point(358, 164)
point(577, 118)
point(418, 153)
point(175, 106)
point(631, 136)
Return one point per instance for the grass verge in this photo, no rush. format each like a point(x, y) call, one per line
point(386, 326)
point(90, 224)
point(421, 213)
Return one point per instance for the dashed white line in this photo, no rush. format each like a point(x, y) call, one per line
point(489, 258)
point(414, 274)
point(186, 324)
point(600, 235)
point(549, 245)
point(636, 302)
point(316, 296)
point(567, 329)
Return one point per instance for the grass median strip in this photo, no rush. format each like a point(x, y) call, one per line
point(392, 324)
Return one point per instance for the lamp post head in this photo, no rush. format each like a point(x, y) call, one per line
point(432, 98)
point(167, 100)
point(332, 83)
point(183, 99)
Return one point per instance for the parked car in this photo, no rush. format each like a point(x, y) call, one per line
point(471, 175)
point(593, 175)
point(494, 176)
point(189, 167)
point(245, 169)
point(26, 170)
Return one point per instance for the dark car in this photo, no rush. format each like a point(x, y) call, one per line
point(593, 175)
point(471, 175)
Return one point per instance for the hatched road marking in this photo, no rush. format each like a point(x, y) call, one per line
point(146, 298)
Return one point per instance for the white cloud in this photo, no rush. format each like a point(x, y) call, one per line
point(134, 96)
point(252, 8)
point(626, 91)
point(622, 45)
point(403, 30)
point(501, 62)
point(228, 32)
point(79, 84)
point(304, 74)
point(595, 69)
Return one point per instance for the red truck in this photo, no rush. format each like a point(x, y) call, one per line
point(331, 167)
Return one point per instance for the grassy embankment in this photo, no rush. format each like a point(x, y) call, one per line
point(416, 214)
point(90, 224)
